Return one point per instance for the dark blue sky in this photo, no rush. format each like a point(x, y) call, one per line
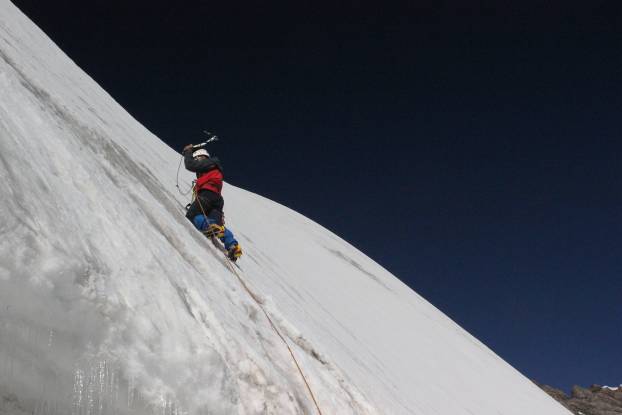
point(474, 151)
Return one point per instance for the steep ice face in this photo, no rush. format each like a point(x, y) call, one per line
point(111, 303)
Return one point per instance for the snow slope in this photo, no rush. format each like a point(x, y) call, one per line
point(111, 303)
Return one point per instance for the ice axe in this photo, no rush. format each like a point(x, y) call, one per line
point(211, 137)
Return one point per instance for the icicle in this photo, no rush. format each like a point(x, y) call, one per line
point(78, 385)
point(50, 338)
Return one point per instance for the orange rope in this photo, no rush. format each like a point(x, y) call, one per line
point(250, 293)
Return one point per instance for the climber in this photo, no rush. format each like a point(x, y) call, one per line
point(206, 210)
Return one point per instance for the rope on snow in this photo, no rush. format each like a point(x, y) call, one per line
point(276, 330)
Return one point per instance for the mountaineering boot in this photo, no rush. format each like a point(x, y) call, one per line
point(234, 252)
point(214, 231)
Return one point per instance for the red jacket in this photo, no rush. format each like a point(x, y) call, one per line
point(209, 172)
point(211, 180)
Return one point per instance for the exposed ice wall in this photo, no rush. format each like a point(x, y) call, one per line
point(111, 303)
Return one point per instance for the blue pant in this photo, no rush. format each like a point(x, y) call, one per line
point(201, 223)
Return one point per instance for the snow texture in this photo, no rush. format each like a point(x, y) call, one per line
point(111, 302)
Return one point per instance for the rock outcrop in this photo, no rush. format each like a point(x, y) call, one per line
point(595, 400)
